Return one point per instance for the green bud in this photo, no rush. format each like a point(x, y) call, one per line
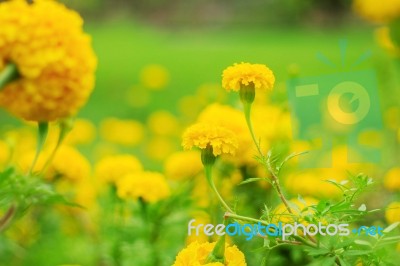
point(247, 93)
point(207, 156)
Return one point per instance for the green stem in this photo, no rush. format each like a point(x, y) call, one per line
point(43, 128)
point(245, 218)
point(275, 179)
point(65, 128)
point(208, 172)
point(5, 221)
point(9, 74)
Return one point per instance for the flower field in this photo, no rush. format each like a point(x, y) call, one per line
point(123, 142)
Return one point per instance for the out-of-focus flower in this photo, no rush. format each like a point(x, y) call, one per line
point(163, 123)
point(183, 165)
point(246, 74)
point(137, 97)
point(392, 117)
point(85, 194)
point(377, 11)
point(70, 164)
point(383, 38)
point(203, 218)
point(110, 169)
point(392, 214)
point(392, 179)
point(83, 132)
point(196, 254)
point(158, 148)
point(122, 132)
point(201, 135)
point(54, 58)
point(4, 153)
point(154, 77)
point(149, 186)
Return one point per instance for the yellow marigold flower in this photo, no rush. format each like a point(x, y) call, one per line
point(123, 132)
point(392, 214)
point(112, 168)
point(196, 254)
point(54, 58)
point(201, 135)
point(83, 132)
point(377, 11)
point(382, 36)
point(154, 77)
point(150, 186)
point(183, 165)
point(163, 123)
point(237, 75)
point(4, 153)
point(392, 179)
point(70, 164)
point(158, 148)
point(217, 114)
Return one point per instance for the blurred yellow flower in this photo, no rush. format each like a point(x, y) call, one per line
point(54, 58)
point(196, 254)
point(83, 132)
point(201, 135)
point(377, 11)
point(149, 186)
point(237, 75)
point(383, 38)
point(182, 165)
point(163, 123)
point(122, 132)
point(392, 179)
point(392, 214)
point(5, 153)
point(154, 77)
point(158, 148)
point(110, 169)
point(70, 164)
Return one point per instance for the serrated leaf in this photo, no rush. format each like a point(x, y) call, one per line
point(358, 252)
point(391, 227)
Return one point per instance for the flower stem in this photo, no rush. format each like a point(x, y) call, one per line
point(43, 128)
point(9, 74)
point(275, 179)
point(245, 218)
point(208, 172)
point(65, 128)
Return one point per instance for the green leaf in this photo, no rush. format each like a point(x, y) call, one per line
point(253, 179)
point(391, 227)
point(8, 75)
point(362, 242)
point(358, 252)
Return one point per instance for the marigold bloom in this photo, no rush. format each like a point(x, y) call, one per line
point(201, 135)
point(123, 132)
point(237, 75)
point(112, 168)
point(196, 254)
point(183, 165)
point(392, 179)
point(377, 11)
point(392, 213)
point(150, 186)
point(53, 56)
